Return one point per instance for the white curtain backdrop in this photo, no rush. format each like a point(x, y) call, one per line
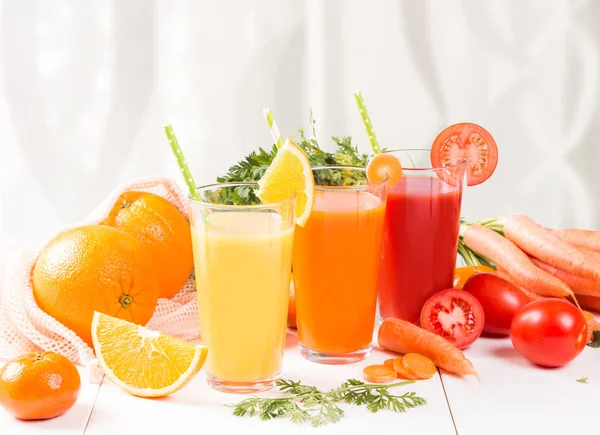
point(87, 85)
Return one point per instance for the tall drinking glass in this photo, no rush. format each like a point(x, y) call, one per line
point(421, 234)
point(336, 263)
point(243, 259)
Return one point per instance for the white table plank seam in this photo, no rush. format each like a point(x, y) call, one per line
point(448, 401)
point(87, 423)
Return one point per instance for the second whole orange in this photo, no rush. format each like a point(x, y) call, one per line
point(160, 226)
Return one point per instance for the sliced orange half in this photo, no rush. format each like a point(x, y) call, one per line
point(289, 176)
point(143, 362)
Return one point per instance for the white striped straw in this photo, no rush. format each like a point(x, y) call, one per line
point(273, 127)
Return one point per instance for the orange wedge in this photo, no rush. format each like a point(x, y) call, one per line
point(143, 362)
point(289, 176)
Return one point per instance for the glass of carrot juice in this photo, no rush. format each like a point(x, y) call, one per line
point(337, 255)
point(243, 261)
point(421, 234)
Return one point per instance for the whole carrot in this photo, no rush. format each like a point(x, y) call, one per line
point(533, 296)
point(589, 302)
point(539, 242)
point(592, 254)
point(510, 258)
point(579, 285)
point(403, 337)
point(580, 238)
point(592, 323)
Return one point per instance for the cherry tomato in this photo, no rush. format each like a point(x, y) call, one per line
point(462, 274)
point(549, 332)
point(500, 300)
point(466, 141)
point(455, 315)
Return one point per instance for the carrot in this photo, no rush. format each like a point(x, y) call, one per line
point(592, 324)
point(402, 371)
point(419, 365)
point(389, 362)
point(533, 296)
point(539, 242)
point(592, 254)
point(379, 374)
point(580, 238)
point(589, 302)
point(403, 337)
point(509, 257)
point(579, 285)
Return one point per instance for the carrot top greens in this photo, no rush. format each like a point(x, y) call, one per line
point(304, 403)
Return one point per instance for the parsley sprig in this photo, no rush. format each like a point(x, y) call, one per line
point(252, 167)
point(305, 403)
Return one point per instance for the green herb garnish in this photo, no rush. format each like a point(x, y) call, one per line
point(583, 380)
point(254, 165)
point(596, 341)
point(304, 403)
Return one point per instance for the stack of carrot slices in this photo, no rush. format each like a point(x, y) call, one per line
point(411, 366)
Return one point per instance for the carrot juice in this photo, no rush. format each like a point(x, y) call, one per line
point(420, 238)
point(336, 265)
point(243, 262)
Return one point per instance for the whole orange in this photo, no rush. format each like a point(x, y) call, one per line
point(160, 226)
point(95, 268)
point(38, 386)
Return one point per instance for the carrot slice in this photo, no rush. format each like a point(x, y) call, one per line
point(401, 370)
point(389, 362)
point(379, 374)
point(419, 365)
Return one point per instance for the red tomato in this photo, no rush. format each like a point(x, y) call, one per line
point(466, 141)
point(455, 315)
point(549, 332)
point(500, 300)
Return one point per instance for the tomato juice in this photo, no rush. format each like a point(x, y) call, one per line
point(420, 240)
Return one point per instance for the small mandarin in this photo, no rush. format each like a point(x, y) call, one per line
point(38, 386)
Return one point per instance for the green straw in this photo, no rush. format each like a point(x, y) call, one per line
point(185, 170)
point(360, 102)
point(273, 127)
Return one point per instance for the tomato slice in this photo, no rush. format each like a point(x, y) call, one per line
point(455, 315)
point(466, 141)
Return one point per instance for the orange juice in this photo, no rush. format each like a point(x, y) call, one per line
point(336, 267)
point(242, 266)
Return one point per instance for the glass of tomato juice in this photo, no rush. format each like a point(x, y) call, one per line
point(420, 238)
point(336, 262)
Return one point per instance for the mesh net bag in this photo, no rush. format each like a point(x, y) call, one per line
point(24, 327)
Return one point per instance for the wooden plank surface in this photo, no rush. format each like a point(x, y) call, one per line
point(198, 407)
point(516, 397)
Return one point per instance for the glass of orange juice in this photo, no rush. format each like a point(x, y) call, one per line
point(336, 265)
point(243, 260)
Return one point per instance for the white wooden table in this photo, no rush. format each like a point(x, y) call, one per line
point(512, 397)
